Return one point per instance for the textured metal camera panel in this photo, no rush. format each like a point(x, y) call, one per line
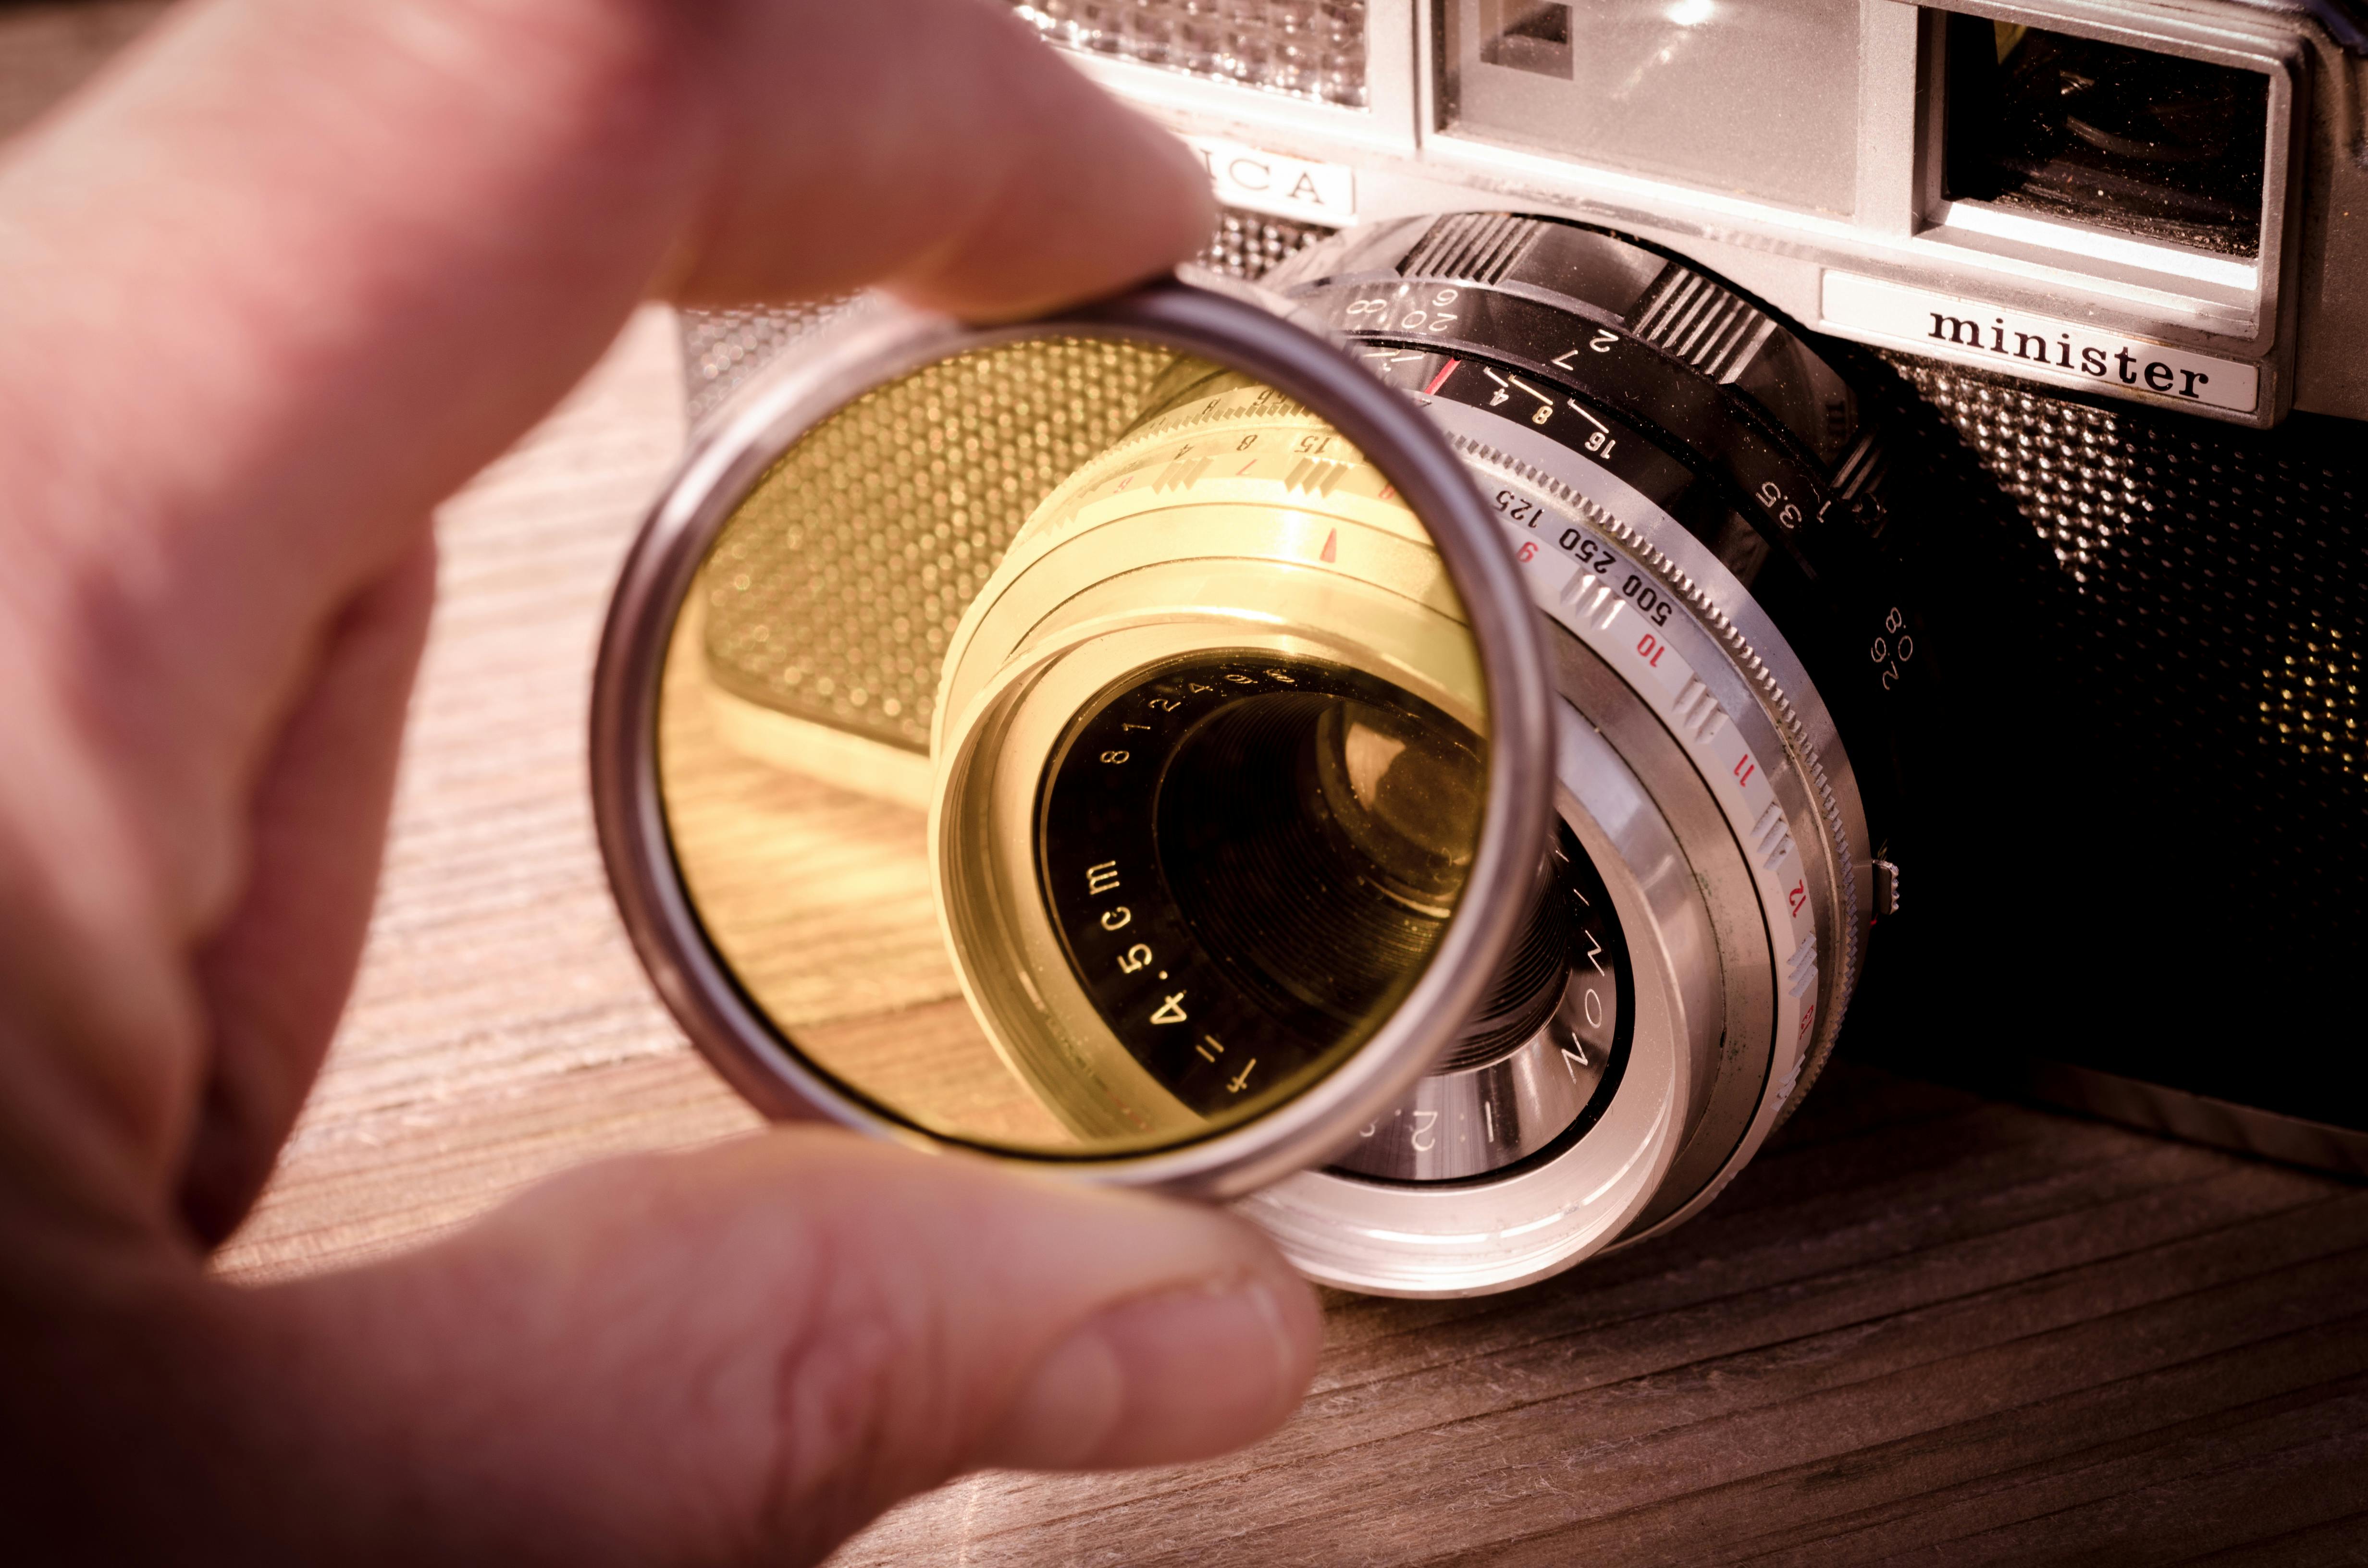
point(2206, 617)
point(834, 596)
point(1307, 49)
point(722, 350)
point(843, 618)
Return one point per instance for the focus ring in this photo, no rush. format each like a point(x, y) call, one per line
point(1800, 749)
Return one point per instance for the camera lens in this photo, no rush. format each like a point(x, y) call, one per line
point(1536, 1067)
point(1061, 739)
point(1291, 836)
point(1067, 742)
point(1700, 504)
point(1202, 827)
point(1224, 800)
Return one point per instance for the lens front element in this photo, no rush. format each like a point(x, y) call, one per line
point(1249, 860)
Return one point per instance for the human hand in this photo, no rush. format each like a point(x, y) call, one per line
point(291, 273)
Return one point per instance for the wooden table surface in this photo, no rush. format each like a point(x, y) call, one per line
point(1924, 1327)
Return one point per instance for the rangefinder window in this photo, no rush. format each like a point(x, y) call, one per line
point(1758, 95)
point(2152, 145)
point(1526, 36)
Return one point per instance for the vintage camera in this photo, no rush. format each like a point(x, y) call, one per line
point(1925, 437)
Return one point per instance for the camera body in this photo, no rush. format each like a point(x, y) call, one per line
point(1948, 182)
point(2057, 303)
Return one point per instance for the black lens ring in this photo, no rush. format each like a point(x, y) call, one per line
point(1828, 582)
point(1196, 1015)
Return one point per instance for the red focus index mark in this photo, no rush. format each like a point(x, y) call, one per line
point(1441, 380)
point(1332, 546)
point(1744, 768)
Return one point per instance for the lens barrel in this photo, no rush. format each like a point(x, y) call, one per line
point(1705, 510)
point(1206, 751)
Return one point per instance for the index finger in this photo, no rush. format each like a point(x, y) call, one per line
point(299, 267)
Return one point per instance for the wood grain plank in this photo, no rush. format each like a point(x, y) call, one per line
point(2318, 1478)
point(1409, 1472)
point(2336, 1543)
point(2098, 1445)
point(820, 899)
point(1639, 1304)
point(1886, 1501)
point(1530, 1465)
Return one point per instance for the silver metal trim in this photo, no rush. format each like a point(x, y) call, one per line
point(1761, 687)
point(1468, 1238)
point(1457, 1108)
point(838, 366)
point(1899, 232)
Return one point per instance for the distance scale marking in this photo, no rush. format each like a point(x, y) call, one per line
point(1252, 446)
point(1271, 483)
point(1319, 462)
point(1448, 381)
point(1586, 587)
point(1487, 443)
point(1597, 433)
point(1593, 608)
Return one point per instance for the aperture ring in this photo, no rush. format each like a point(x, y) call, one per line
point(1780, 487)
point(1822, 581)
point(1684, 316)
point(1738, 400)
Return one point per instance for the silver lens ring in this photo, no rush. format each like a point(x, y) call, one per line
point(1656, 445)
point(870, 351)
point(1453, 1239)
point(1715, 692)
point(1152, 555)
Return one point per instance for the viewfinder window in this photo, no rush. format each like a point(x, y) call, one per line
point(2149, 144)
point(1526, 36)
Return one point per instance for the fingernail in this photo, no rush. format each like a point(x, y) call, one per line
point(1176, 1376)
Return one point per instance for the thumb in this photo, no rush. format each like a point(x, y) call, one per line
point(745, 1353)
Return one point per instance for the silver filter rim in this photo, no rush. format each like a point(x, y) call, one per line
point(882, 343)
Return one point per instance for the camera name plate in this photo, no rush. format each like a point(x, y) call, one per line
point(2062, 353)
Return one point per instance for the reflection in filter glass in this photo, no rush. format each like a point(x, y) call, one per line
point(1009, 552)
